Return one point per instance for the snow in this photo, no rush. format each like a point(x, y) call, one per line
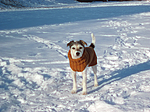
point(34, 69)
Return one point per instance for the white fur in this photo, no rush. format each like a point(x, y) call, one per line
point(84, 75)
point(74, 90)
point(76, 48)
point(93, 38)
point(95, 76)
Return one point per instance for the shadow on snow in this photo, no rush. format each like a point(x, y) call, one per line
point(120, 74)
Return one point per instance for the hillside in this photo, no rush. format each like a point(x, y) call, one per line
point(33, 3)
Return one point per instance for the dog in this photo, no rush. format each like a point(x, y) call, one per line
point(80, 58)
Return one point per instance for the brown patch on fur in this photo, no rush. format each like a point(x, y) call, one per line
point(83, 43)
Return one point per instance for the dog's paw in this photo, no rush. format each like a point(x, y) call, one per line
point(73, 91)
point(84, 93)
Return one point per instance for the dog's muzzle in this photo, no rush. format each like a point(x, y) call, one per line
point(77, 53)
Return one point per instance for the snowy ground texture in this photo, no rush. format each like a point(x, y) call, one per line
point(34, 69)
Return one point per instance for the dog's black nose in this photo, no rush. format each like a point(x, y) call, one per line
point(77, 53)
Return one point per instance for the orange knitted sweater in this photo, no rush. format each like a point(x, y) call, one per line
point(88, 58)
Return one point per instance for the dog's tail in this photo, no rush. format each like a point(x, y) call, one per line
point(93, 41)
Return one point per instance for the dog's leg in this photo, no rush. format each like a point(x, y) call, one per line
point(74, 90)
point(84, 74)
point(95, 76)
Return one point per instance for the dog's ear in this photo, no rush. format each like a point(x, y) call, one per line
point(70, 43)
point(83, 42)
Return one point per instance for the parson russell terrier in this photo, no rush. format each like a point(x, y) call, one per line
point(81, 57)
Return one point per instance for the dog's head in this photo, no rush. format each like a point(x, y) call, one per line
point(76, 48)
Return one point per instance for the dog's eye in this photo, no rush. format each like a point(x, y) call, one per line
point(73, 48)
point(80, 47)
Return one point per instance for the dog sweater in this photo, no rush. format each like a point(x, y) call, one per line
point(88, 58)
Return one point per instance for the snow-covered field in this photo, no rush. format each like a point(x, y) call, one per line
point(34, 69)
